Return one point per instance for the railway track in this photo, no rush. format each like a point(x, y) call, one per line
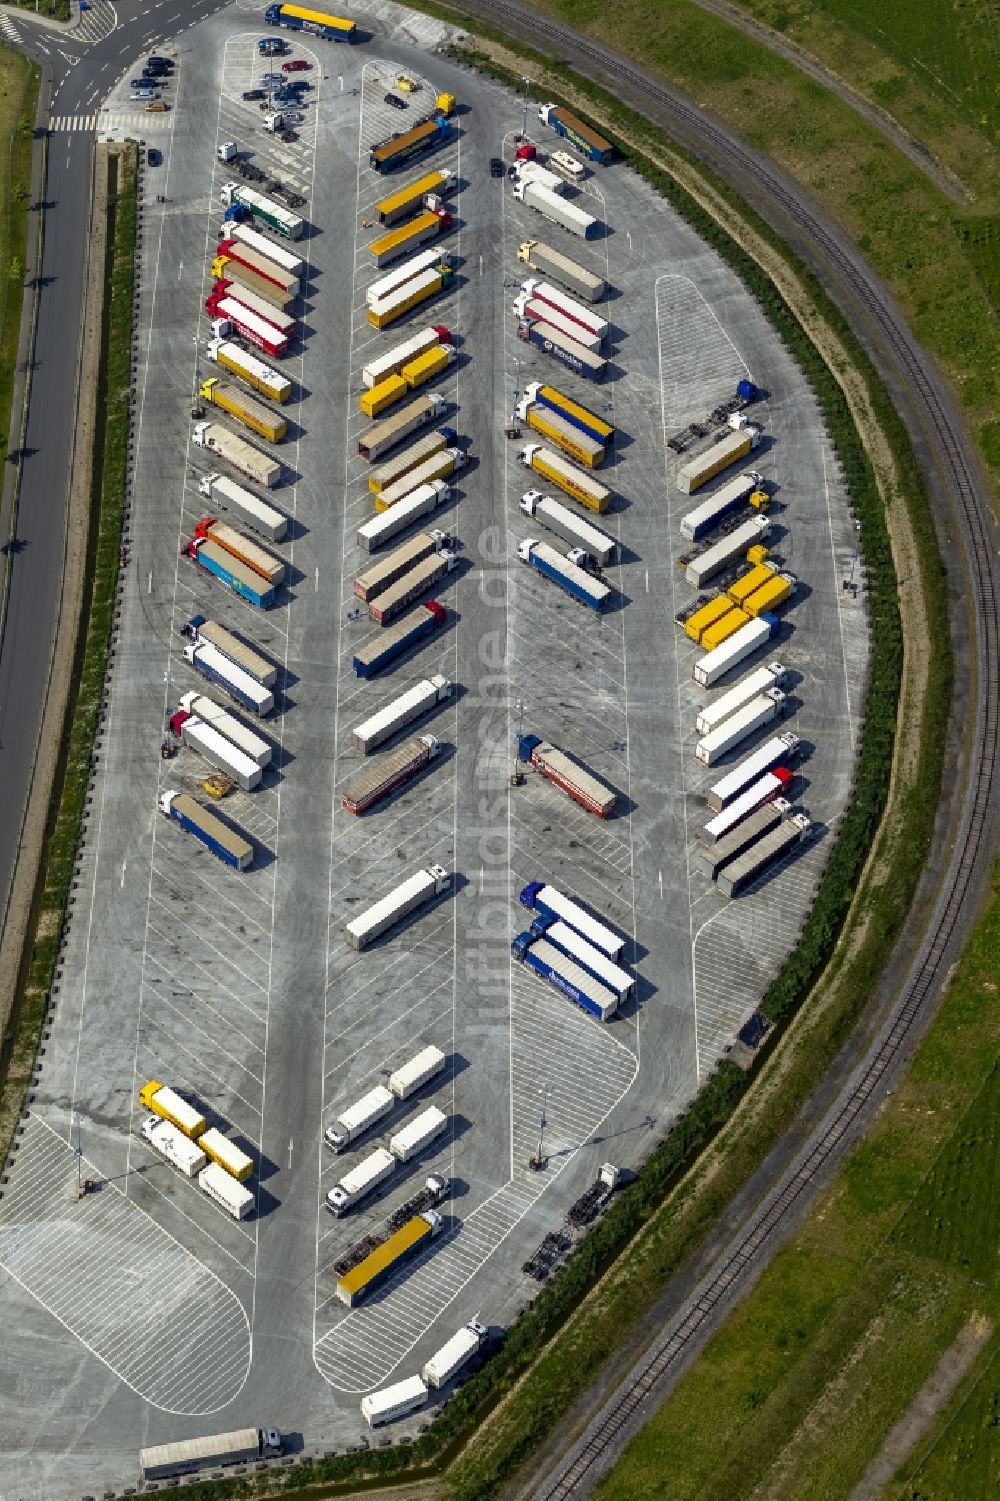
point(746, 1253)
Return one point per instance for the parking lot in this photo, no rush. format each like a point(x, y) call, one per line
point(240, 989)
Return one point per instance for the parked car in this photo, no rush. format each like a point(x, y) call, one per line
point(497, 168)
point(158, 107)
point(251, 94)
point(272, 78)
point(144, 83)
point(406, 84)
point(138, 96)
point(296, 65)
point(159, 62)
point(395, 101)
point(300, 85)
point(153, 157)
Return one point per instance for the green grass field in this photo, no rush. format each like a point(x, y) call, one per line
point(18, 93)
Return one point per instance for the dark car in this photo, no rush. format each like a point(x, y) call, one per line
point(145, 82)
point(301, 84)
point(251, 94)
point(496, 167)
point(153, 157)
point(160, 62)
point(152, 66)
point(395, 101)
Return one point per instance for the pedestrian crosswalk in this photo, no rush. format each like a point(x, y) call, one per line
point(71, 123)
point(10, 31)
point(140, 124)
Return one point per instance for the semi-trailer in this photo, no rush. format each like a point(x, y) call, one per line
point(552, 263)
point(393, 1402)
point(417, 1135)
point(210, 634)
point(316, 22)
point(217, 750)
point(243, 278)
point(229, 315)
point(557, 210)
point(562, 432)
point(721, 554)
point(241, 735)
point(567, 307)
point(772, 594)
point(734, 494)
point(557, 518)
point(584, 137)
point(240, 362)
point(762, 855)
point(373, 534)
point(410, 458)
point(721, 629)
point(581, 785)
point(734, 730)
point(168, 1105)
point(412, 894)
point(209, 1451)
point(583, 362)
point(242, 686)
point(557, 401)
point(713, 858)
point(421, 577)
point(406, 201)
point(237, 1163)
point(263, 517)
point(264, 265)
point(576, 947)
point(379, 398)
point(358, 1118)
point(538, 896)
point(226, 1191)
point(533, 171)
point(751, 579)
point(400, 241)
point(407, 145)
point(428, 366)
point(245, 234)
point(425, 260)
point(259, 418)
point(420, 1070)
point(225, 290)
point(714, 665)
point(576, 581)
point(230, 847)
point(259, 467)
point(229, 570)
point(244, 548)
point(446, 1363)
point(773, 675)
point(379, 651)
point(173, 1145)
point(361, 1181)
point(698, 621)
point(386, 773)
point(552, 466)
point(427, 284)
point(535, 310)
point(727, 450)
point(384, 436)
point(392, 362)
point(773, 784)
point(780, 750)
point(387, 1259)
point(438, 467)
point(402, 711)
point(392, 567)
point(288, 225)
point(565, 975)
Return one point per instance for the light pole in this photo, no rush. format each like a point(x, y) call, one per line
point(79, 1153)
point(524, 113)
point(517, 776)
point(537, 1162)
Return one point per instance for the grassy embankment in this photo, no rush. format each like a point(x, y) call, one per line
point(59, 10)
point(108, 500)
point(18, 100)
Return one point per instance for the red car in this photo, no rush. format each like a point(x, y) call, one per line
point(297, 65)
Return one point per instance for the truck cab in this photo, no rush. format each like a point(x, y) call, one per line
point(270, 1442)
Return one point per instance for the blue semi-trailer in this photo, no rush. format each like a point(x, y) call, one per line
point(538, 896)
point(565, 975)
point(378, 651)
point(231, 847)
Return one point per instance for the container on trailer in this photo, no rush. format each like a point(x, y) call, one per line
point(732, 731)
point(237, 451)
point(596, 963)
point(420, 502)
point(544, 291)
point(241, 685)
point(359, 1118)
point(421, 577)
point(727, 625)
point(552, 466)
point(407, 145)
point(727, 450)
point(417, 1135)
point(538, 896)
point(386, 310)
point(557, 210)
point(733, 545)
point(408, 200)
point(388, 569)
point(535, 310)
point(249, 552)
point(580, 783)
point(226, 1153)
point(713, 858)
point(231, 571)
point(775, 592)
point(773, 675)
point(240, 362)
point(714, 665)
point(388, 391)
point(388, 1258)
point(771, 786)
point(726, 500)
point(377, 652)
point(410, 458)
point(413, 893)
point(360, 1181)
point(446, 1363)
point(753, 578)
point(260, 514)
point(698, 622)
point(226, 1191)
point(172, 1144)
point(428, 366)
point(558, 518)
point(316, 22)
point(417, 265)
point(248, 741)
point(392, 362)
point(225, 290)
point(438, 467)
point(385, 773)
point(230, 846)
point(762, 855)
point(280, 254)
point(231, 316)
point(420, 1070)
point(264, 209)
point(563, 433)
point(406, 237)
point(393, 1402)
point(169, 1106)
point(565, 975)
point(559, 267)
point(781, 750)
point(160, 1461)
point(402, 711)
point(580, 416)
point(253, 414)
point(220, 752)
point(583, 362)
point(584, 137)
point(576, 581)
point(378, 440)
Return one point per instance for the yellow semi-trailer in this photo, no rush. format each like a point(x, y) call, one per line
point(393, 360)
point(582, 417)
point(772, 594)
point(240, 362)
point(697, 624)
point(728, 450)
point(408, 200)
point(727, 625)
point(226, 1153)
point(385, 1261)
point(552, 466)
point(382, 396)
point(260, 419)
point(400, 241)
point(741, 588)
point(429, 365)
point(167, 1104)
point(409, 295)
